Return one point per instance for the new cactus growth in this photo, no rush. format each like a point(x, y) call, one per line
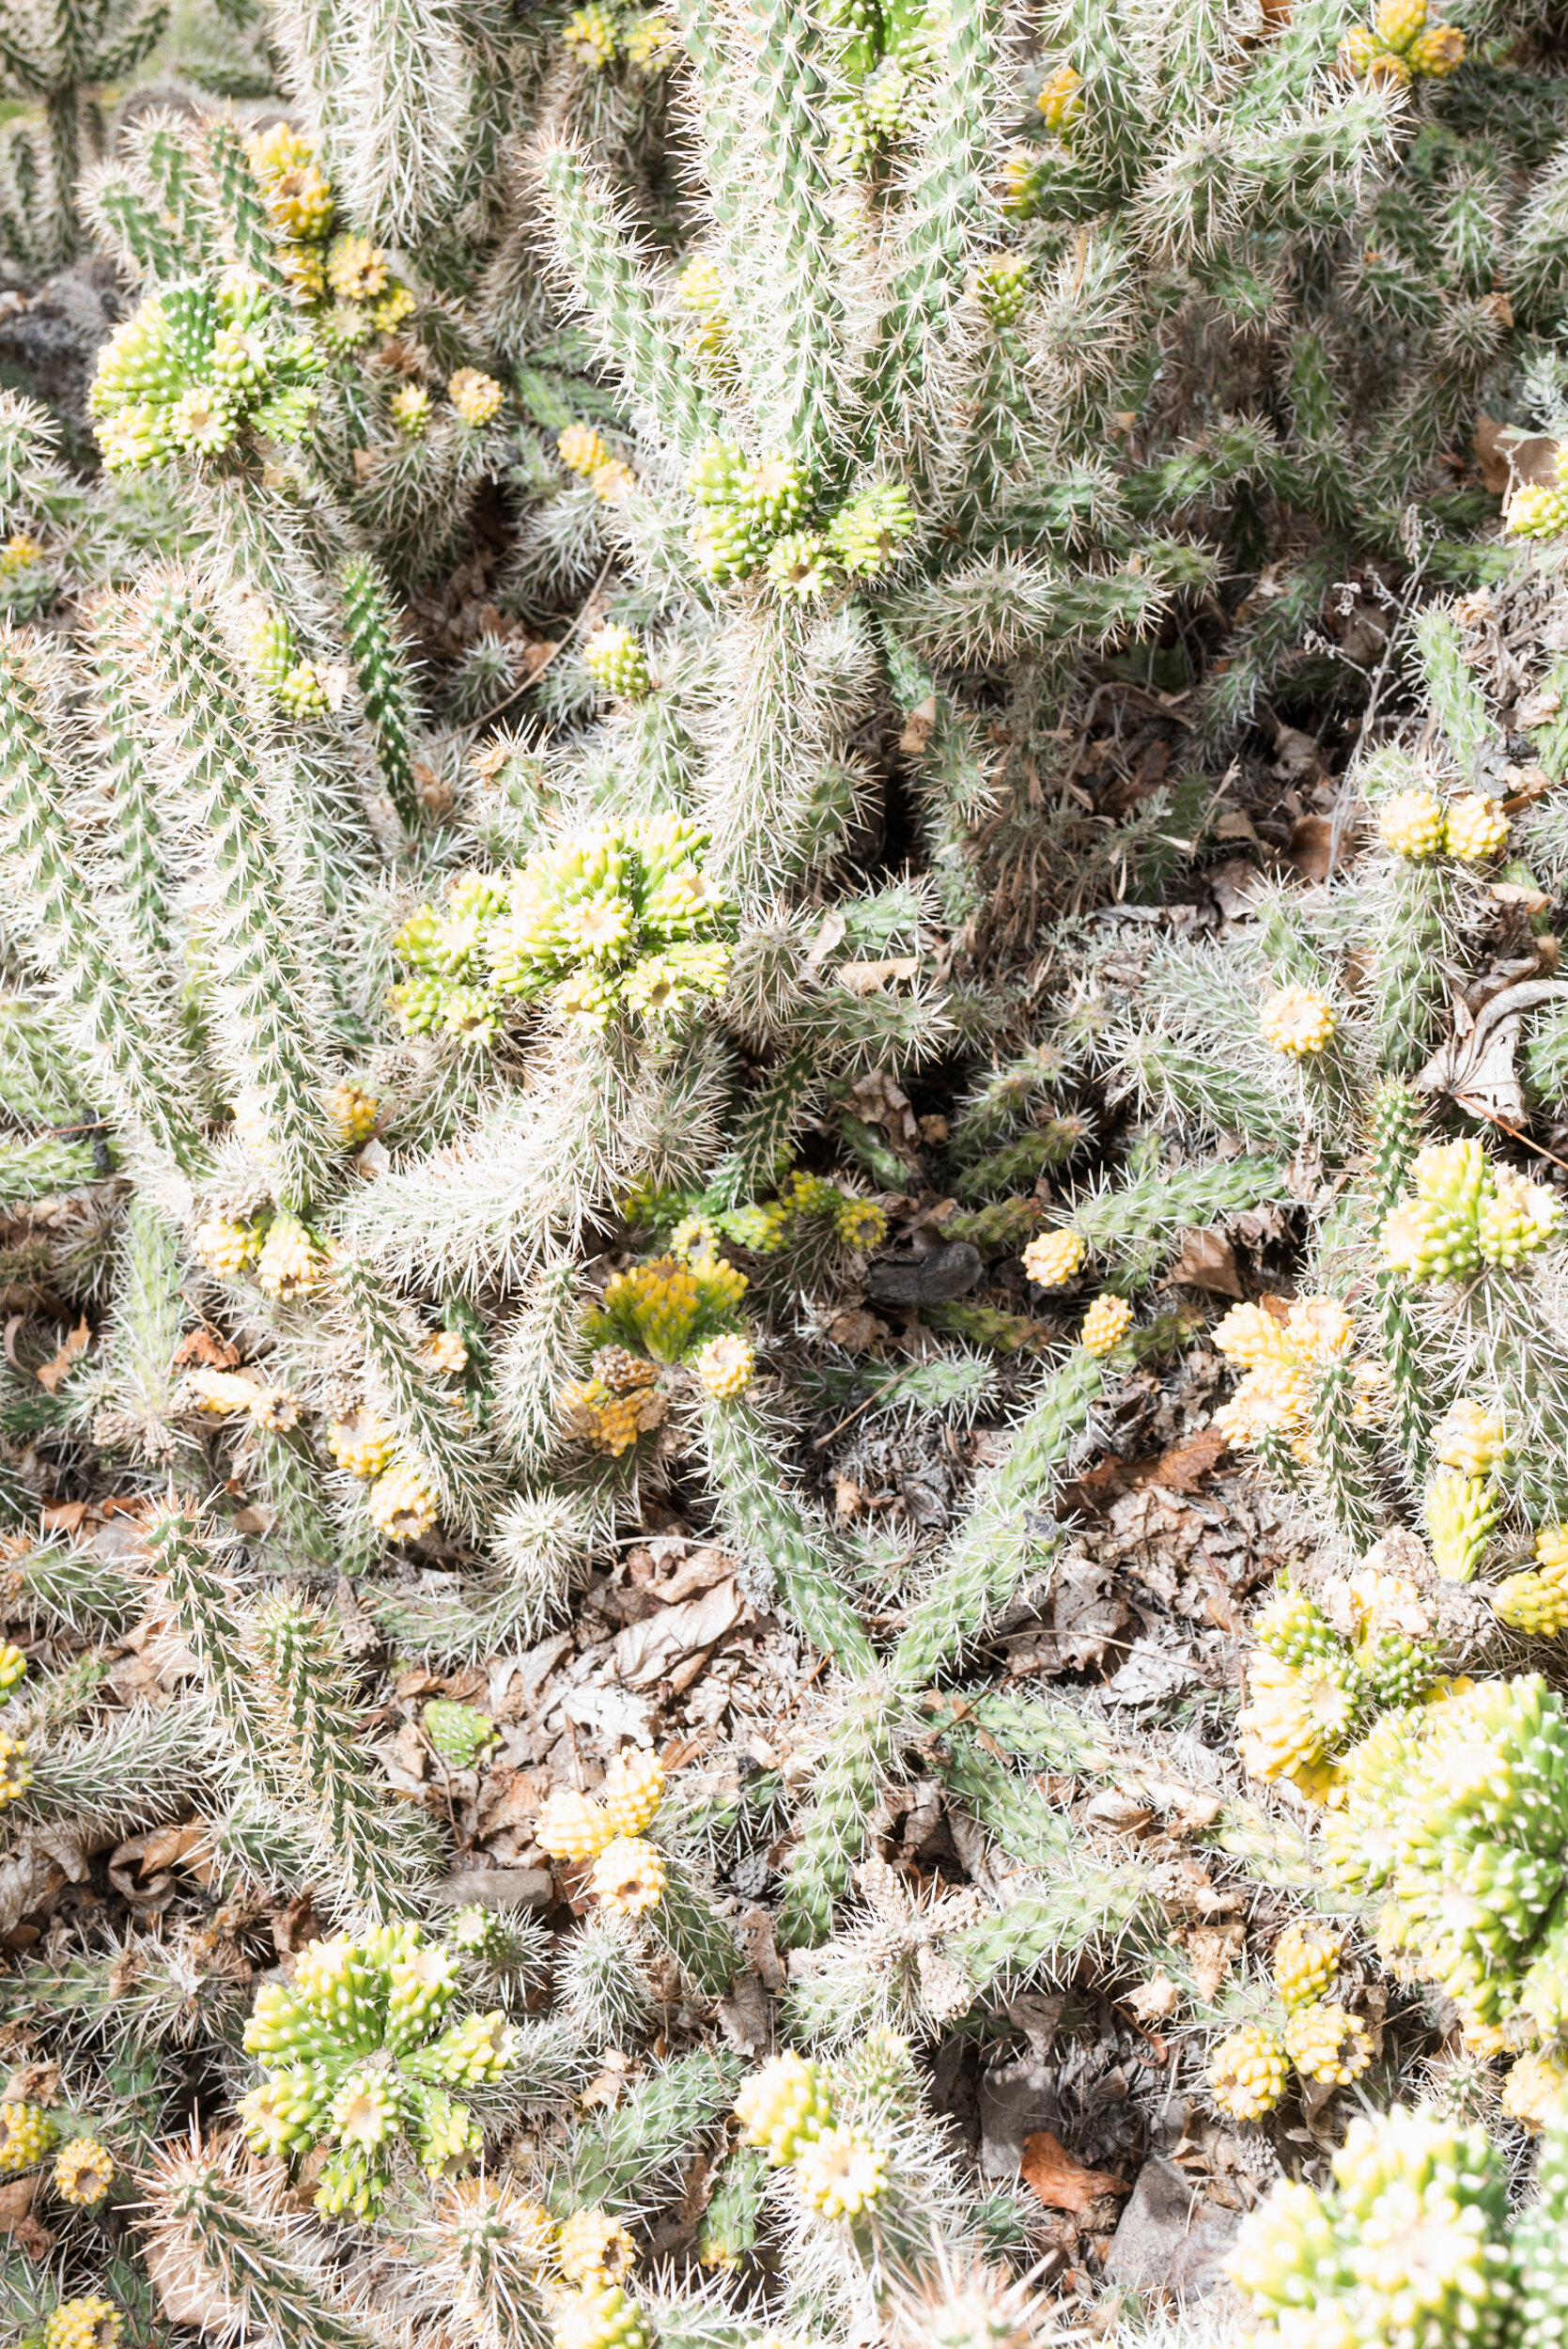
point(366, 2053)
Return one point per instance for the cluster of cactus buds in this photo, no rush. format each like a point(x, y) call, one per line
point(665, 1309)
point(1418, 826)
point(597, 35)
point(627, 1874)
point(1411, 2242)
point(788, 2111)
point(806, 1205)
point(1312, 1689)
point(1404, 42)
point(619, 921)
point(363, 2052)
point(1316, 2036)
point(1284, 1349)
point(767, 516)
point(197, 365)
point(1463, 1214)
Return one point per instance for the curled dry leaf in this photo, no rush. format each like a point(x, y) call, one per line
point(1059, 2180)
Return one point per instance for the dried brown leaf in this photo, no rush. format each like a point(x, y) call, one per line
point(76, 1345)
point(1059, 2180)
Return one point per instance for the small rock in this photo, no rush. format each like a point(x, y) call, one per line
point(934, 1280)
point(495, 1888)
point(1170, 2240)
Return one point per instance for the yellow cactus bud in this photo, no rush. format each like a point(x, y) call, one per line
point(580, 450)
point(1061, 99)
point(87, 2324)
point(352, 1114)
point(840, 2174)
point(1538, 510)
point(1412, 824)
point(1533, 1603)
point(356, 272)
point(1462, 1514)
point(1298, 1714)
point(477, 397)
point(16, 1776)
point(290, 1264)
point(1105, 1324)
point(444, 1352)
point(1247, 1334)
point(1298, 1022)
point(593, 2248)
point(571, 1826)
point(611, 1421)
point(1305, 1959)
point(592, 36)
point(1551, 1548)
point(1325, 2044)
point(628, 1876)
point(1398, 22)
point(1055, 1257)
point(410, 410)
point(362, 1445)
point(402, 1504)
point(597, 2319)
point(611, 482)
point(1246, 2078)
point(726, 1364)
point(1468, 1438)
point(650, 40)
point(1360, 52)
point(223, 1393)
point(633, 1791)
point(84, 2171)
point(26, 2131)
point(1477, 827)
point(1533, 2092)
point(227, 1247)
point(1439, 52)
point(784, 2105)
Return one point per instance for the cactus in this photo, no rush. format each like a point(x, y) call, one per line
point(583, 951)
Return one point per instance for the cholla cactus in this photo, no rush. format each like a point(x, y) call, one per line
point(1456, 1812)
point(459, 1733)
point(367, 2052)
point(52, 58)
point(1342, 2262)
point(745, 879)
